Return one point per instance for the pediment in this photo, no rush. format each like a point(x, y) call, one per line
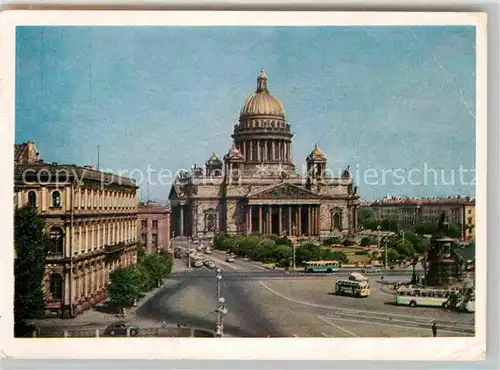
point(284, 191)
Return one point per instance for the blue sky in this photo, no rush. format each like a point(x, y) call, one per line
point(375, 98)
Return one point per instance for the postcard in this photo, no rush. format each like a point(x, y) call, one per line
point(244, 185)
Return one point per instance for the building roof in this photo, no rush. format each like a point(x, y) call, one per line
point(261, 102)
point(152, 207)
point(26, 153)
point(64, 173)
point(396, 201)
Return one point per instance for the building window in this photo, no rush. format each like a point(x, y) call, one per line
point(32, 199)
point(155, 240)
point(56, 199)
point(155, 224)
point(336, 221)
point(144, 224)
point(56, 286)
point(57, 241)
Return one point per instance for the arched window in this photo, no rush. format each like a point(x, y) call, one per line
point(57, 241)
point(56, 286)
point(32, 199)
point(336, 219)
point(56, 199)
point(211, 220)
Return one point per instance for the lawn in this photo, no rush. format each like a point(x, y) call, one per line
point(351, 256)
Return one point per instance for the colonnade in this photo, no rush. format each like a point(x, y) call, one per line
point(294, 220)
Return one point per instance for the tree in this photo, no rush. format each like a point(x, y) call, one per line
point(156, 266)
point(373, 256)
point(31, 247)
point(141, 251)
point(126, 285)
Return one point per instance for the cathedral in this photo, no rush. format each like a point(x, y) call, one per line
point(255, 187)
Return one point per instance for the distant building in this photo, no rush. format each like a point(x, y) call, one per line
point(255, 188)
point(407, 211)
point(154, 226)
point(91, 218)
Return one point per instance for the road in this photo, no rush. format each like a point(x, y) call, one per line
point(276, 303)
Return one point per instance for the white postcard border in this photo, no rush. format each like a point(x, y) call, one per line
point(236, 348)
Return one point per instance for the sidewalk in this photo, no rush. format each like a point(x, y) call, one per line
point(96, 317)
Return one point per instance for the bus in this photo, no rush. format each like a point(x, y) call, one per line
point(321, 266)
point(413, 296)
point(352, 288)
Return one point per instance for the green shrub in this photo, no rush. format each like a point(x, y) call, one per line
point(361, 253)
point(332, 240)
point(367, 241)
point(348, 242)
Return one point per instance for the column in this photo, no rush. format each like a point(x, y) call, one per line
point(249, 214)
point(318, 221)
point(181, 231)
point(280, 224)
point(297, 222)
point(270, 220)
point(274, 150)
point(300, 220)
point(289, 220)
point(308, 220)
point(265, 151)
point(313, 223)
point(260, 219)
point(314, 220)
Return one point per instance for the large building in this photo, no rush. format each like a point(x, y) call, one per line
point(154, 226)
point(91, 218)
point(459, 210)
point(256, 188)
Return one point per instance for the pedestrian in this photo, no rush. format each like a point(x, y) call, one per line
point(434, 329)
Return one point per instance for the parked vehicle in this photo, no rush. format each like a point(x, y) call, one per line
point(230, 259)
point(209, 264)
point(198, 263)
point(370, 270)
point(119, 328)
point(208, 251)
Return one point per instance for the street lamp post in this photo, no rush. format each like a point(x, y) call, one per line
point(385, 252)
point(293, 255)
point(221, 312)
point(219, 278)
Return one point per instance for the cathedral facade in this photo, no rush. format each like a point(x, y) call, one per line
point(255, 187)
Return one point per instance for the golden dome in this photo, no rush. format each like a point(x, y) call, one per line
point(234, 153)
point(317, 152)
point(262, 103)
point(213, 159)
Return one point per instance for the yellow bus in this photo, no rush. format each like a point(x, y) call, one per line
point(352, 288)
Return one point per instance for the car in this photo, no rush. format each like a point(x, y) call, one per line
point(211, 265)
point(208, 251)
point(230, 259)
point(370, 270)
point(198, 264)
point(201, 247)
point(119, 328)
